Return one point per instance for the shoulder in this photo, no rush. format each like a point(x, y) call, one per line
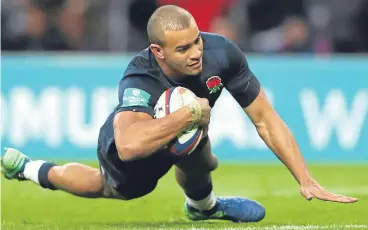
point(144, 82)
point(143, 64)
point(221, 50)
point(140, 87)
point(142, 74)
point(213, 41)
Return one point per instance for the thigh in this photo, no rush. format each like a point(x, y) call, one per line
point(134, 179)
point(201, 160)
point(109, 190)
point(117, 189)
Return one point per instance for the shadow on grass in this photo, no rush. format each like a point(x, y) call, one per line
point(174, 224)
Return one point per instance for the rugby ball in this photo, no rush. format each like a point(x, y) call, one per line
point(170, 101)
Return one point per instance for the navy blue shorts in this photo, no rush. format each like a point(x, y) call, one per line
point(137, 178)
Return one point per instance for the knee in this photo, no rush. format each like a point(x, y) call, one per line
point(95, 187)
point(205, 167)
point(205, 160)
point(212, 164)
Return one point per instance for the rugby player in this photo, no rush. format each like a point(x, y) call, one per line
point(132, 145)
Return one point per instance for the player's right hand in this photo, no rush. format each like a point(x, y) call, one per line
point(312, 189)
point(205, 111)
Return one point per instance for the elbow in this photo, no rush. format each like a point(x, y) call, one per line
point(260, 126)
point(262, 133)
point(127, 152)
point(261, 129)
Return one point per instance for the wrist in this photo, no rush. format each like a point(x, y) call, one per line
point(305, 179)
point(195, 110)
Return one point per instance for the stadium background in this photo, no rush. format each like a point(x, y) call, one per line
point(62, 60)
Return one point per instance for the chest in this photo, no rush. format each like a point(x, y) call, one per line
point(208, 84)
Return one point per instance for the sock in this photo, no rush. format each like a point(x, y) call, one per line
point(31, 170)
point(203, 199)
point(205, 204)
point(37, 172)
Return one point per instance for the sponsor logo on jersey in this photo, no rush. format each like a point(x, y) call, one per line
point(135, 97)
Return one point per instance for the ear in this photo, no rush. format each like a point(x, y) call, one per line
point(157, 51)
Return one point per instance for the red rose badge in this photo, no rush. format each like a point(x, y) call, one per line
point(214, 84)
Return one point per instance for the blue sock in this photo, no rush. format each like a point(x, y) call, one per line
point(43, 176)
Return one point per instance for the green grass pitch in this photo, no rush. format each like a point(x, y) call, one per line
point(27, 206)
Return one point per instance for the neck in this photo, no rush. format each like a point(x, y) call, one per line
point(169, 72)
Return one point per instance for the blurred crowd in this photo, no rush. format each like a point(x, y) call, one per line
point(264, 26)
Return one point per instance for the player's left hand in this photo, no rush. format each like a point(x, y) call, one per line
point(312, 190)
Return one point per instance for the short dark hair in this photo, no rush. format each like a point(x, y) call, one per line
point(167, 18)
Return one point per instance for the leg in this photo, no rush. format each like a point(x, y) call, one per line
point(77, 179)
point(82, 180)
point(74, 178)
point(193, 174)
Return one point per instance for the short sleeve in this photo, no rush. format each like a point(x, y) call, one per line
point(139, 94)
point(240, 80)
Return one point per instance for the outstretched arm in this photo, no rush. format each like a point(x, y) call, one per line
point(277, 136)
point(280, 140)
point(246, 90)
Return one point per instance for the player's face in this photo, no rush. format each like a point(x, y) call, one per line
point(183, 50)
